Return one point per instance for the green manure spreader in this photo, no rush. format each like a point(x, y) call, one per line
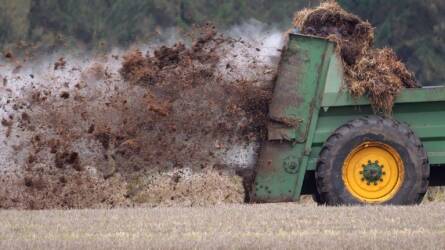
point(323, 141)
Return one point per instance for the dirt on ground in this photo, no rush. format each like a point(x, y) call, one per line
point(375, 73)
point(158, 125)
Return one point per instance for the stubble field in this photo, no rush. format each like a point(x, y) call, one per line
point(277, 226)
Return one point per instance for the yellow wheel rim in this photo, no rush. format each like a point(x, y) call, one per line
point(373, 172)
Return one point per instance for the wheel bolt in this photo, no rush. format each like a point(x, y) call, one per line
point(369, 183)
point(381, 180)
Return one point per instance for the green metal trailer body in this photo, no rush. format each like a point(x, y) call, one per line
point(310, 102)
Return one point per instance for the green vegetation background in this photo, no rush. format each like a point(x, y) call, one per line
point(415, 29)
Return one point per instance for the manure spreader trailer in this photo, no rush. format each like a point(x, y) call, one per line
point(323, 141)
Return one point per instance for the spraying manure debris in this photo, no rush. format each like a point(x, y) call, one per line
point(376, 73)
point(163, 125)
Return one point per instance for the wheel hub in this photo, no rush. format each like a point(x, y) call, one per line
point(372, 172)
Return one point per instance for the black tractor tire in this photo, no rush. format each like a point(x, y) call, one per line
point(330, 185)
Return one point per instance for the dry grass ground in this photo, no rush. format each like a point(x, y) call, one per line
point(278, 226)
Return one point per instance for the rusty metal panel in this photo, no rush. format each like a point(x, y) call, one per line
point(295, 89)
point(293, 117)
point(278, 173)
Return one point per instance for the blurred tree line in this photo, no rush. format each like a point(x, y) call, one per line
point(415, 29)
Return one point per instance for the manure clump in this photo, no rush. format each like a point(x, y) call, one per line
point(372, 72)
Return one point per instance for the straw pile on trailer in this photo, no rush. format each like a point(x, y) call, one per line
point(372, 72)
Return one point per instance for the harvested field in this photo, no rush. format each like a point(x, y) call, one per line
point(276, 226)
